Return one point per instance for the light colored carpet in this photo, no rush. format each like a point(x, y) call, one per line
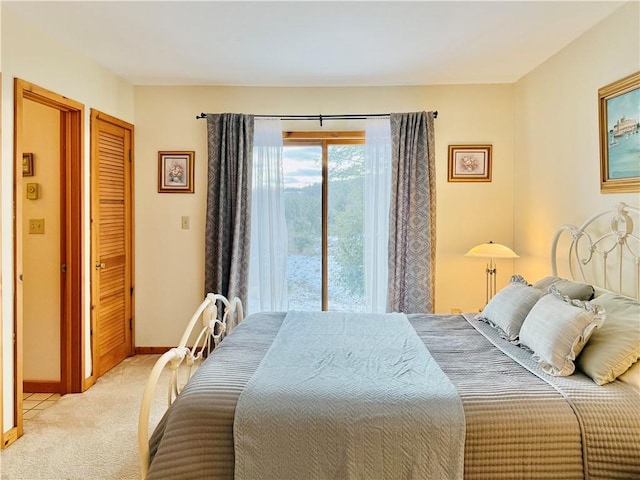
point(88, 436)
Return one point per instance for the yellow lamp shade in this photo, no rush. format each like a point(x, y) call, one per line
point(491, 250)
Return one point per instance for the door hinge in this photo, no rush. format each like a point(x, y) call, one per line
point(131, 291)
point(131, 324)
point(130, 155)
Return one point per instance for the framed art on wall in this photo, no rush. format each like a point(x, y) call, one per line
point(175, 172)
point(27, 164)
point(469, 163)
point(619, 115)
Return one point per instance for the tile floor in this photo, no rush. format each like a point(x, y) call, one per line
point(34, 403)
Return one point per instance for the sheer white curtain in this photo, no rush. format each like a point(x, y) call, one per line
point(377, 197)
point(268, 261)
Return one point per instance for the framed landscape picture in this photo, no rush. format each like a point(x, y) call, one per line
point(469, 163)
point(175, 172)
point(619, 115)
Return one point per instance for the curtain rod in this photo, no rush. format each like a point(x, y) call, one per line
point(321, 117)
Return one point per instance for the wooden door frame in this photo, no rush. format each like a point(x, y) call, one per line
point(2, 441)
point(97, 115)
point(71, 323)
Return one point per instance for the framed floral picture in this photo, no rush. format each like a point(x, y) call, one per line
point(469, 163)
point(175, 172)
point(619, 112)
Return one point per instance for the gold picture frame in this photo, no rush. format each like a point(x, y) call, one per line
point(27, 165)
point(619, 123)
point(175, 172)
point(470, 163)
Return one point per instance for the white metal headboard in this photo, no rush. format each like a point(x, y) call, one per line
point(604, 251)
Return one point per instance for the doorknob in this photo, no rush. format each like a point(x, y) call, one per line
point(100, 266)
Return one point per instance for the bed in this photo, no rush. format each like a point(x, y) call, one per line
point(533, 387)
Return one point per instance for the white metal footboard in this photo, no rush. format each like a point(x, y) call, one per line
point(212, 329)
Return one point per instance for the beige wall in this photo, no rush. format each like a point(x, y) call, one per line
point(41, 252)
point(169, 261)
point(557, 169)
point(31, 55)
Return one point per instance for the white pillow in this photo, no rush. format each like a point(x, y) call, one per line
point(509, 307)
point(557, 328)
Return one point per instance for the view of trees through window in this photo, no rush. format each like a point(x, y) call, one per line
point(302, 165)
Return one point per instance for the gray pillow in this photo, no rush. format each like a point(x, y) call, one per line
point(556, 330)
point(508, 308)
point(613, 348)
point(574, 290)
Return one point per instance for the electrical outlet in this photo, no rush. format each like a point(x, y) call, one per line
point(185, 223)
point(36, 226)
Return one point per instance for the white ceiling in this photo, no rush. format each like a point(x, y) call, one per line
point(307, 43)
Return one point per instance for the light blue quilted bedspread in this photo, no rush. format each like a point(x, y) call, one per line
point(349, 397)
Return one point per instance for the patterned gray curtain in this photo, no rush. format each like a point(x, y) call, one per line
point(412, 215)
point(230, 140)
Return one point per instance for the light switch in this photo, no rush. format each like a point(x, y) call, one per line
point(185, 223)
point(36, 226)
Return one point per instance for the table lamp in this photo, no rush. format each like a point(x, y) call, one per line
point(491, 251)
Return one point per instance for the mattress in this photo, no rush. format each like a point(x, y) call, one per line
point(520, 422)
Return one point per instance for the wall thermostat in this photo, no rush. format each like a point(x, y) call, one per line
point(33, 191)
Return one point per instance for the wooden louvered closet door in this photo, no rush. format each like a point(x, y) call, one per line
point(112, 286)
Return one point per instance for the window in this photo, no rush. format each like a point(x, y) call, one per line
point(324, 183)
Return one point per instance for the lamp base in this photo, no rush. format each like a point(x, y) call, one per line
point(491, 280)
